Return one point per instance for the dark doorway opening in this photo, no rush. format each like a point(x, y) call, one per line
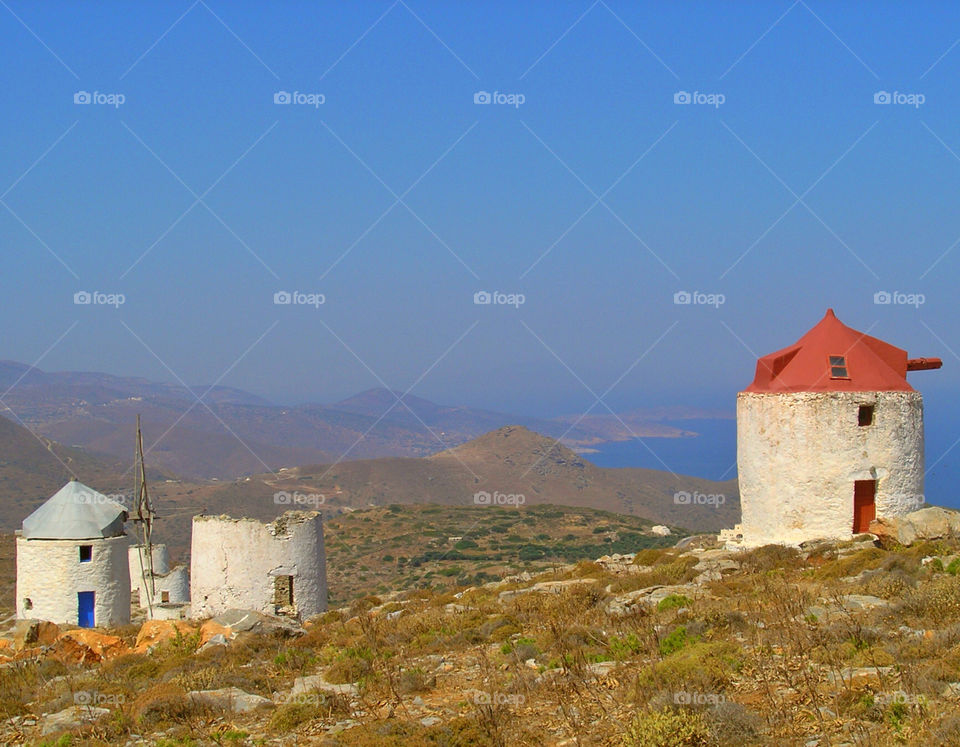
point(283, 591)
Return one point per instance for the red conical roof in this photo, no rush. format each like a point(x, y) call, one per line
point(834, 357)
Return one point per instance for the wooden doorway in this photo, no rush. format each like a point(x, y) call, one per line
point(864, 506)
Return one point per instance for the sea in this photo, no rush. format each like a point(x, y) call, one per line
point(713, 454)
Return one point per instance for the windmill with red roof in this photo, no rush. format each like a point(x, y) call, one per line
point(829, 437)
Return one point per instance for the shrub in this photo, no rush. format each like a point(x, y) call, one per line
point(672, 602)
point(667, 728)
point(675, 640)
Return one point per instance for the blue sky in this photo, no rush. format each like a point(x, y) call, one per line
point(598, 198)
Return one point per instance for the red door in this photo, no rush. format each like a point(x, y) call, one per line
point(864, 508)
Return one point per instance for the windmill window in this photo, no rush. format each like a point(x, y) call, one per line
point(164, 597)
point(86, 553)
point(865, 415)
point(27, 603)
point(838, 367)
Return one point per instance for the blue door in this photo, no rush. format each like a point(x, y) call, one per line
point(85, 609)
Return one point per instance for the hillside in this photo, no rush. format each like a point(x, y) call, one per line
point(32, 469)
point(237, 433)
point(402, 547)
point(832, 644)
point(511, 461)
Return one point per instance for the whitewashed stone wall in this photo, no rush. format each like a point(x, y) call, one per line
point(49, 574)
point(233, 563)
point(161, 562)
point(799, 453)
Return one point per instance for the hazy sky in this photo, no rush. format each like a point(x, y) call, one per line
point(582, 185)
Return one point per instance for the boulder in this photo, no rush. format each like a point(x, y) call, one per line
point(243, 621)
point(547, 587)
point(154, 632)
point(217, 640)
point(71, 718)
point(32, 633)
point(631, 601)
point(316, 683)
point(211, 629)
point(102, 645)
point(660, 530)
point(231, 699)
point(932, 522)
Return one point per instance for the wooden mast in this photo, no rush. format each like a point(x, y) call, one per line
point(144, 522)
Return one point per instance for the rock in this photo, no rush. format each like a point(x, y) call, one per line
point(864, 602)
point(98, 646)
point(601, 668)
point(418, 702)
point(628, 603)
point(849, 674)
point(153, 632)
point(549, 587)
point(316, 682)
point(71, 718)
point(531, 664)
point(31, 633)
point(231, 699)
point(430, 721)
point(218, 640)
point(932, 522)
point(242, 621)
point(660, 530)
point(211, 629)
point(951, 690)
point(698, 542)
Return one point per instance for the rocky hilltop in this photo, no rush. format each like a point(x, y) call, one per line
point(831, 643)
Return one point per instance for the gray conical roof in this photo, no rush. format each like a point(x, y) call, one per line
point(76, 512)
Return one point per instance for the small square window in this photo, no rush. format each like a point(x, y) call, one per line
point(838, 367)
point(865, 415)
point(164, 597)
point(86, 553)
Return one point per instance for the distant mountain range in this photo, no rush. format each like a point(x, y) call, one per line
point(232, 432)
